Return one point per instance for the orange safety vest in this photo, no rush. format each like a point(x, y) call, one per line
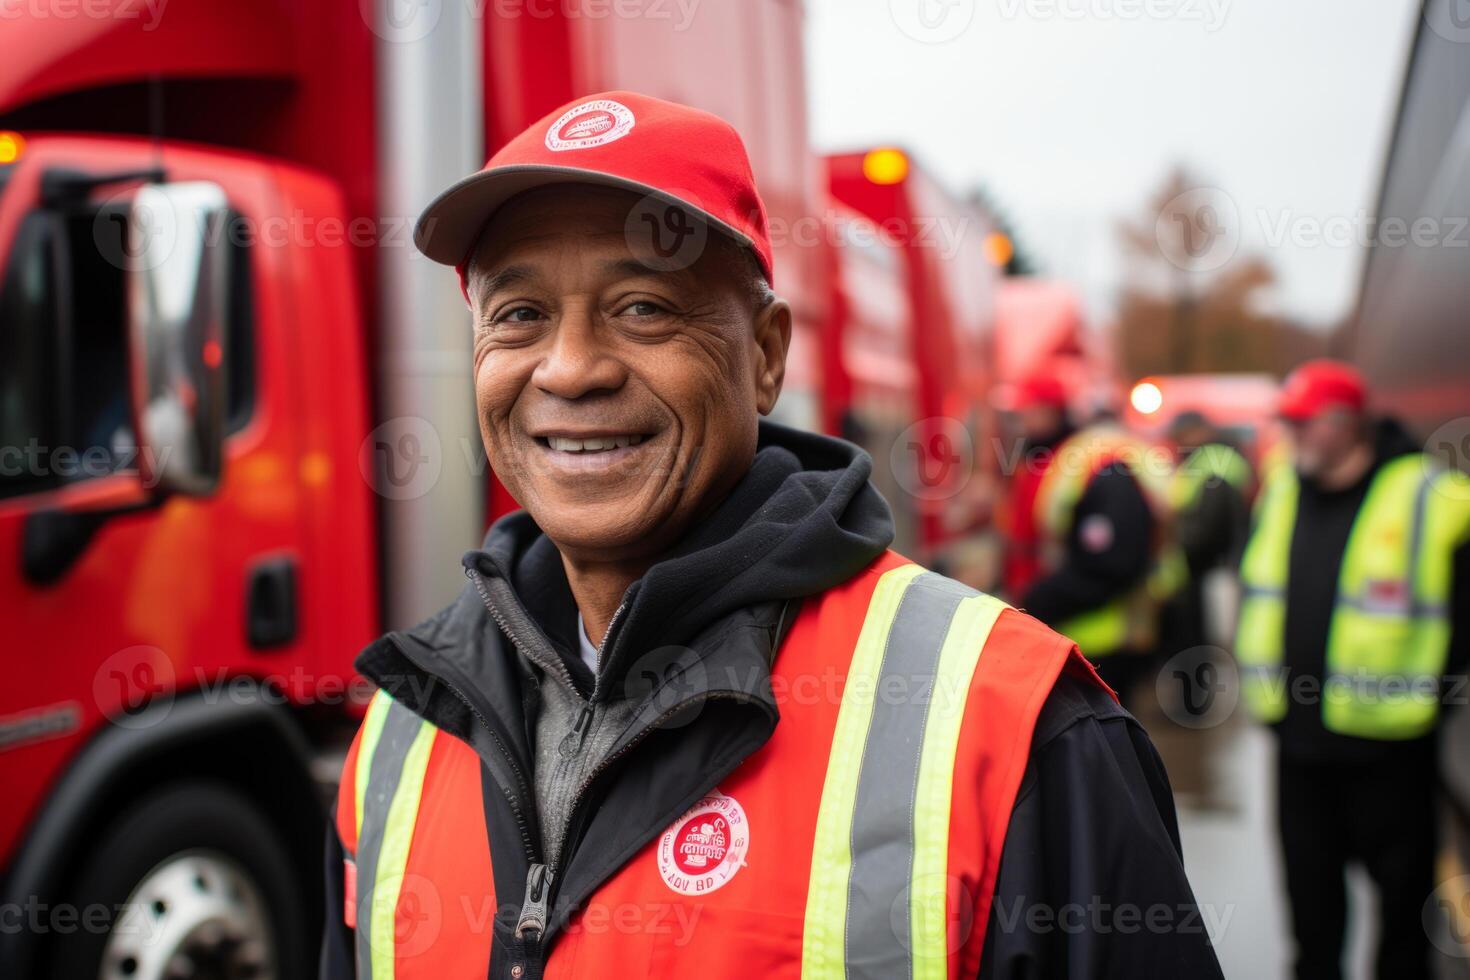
point(863, 839)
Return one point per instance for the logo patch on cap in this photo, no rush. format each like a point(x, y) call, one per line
point(590, 124)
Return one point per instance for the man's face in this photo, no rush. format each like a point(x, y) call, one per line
point(1040, 422)
point(1324, 440)
point(1188, 438)
point(617, 402)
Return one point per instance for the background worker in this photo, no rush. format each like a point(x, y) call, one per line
point(1209, 496)
point(1041, 409)
point(1356, 593)
point(1099, 535)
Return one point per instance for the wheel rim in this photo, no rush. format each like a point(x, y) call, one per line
point(196, 916)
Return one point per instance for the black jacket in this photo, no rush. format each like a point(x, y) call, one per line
point(1107, 553)
point(803, 520)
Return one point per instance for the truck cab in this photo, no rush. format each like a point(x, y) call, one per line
point(179, 502)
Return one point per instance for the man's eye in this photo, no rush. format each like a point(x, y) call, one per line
point(643, 307)
point(519, 314)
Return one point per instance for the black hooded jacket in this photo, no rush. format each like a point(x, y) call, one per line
point(1093, 829)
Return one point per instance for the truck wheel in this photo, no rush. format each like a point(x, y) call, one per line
point(196, 884)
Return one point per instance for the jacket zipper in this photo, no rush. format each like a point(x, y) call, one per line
point(531, 924)
point(534, 926)
point(571, 839)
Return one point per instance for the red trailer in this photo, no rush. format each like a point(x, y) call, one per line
point(238, 430)
point(939, 446)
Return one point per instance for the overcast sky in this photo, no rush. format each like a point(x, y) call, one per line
point(1072, 112)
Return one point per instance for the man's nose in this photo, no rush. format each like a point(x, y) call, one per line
point(579, 360)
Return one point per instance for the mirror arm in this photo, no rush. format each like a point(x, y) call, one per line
point(59, 186)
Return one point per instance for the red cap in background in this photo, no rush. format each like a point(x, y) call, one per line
point(1040, 389)
point(681, 156)
point(1319, 385)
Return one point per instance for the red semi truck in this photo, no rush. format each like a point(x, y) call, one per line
point(929, 423)
point(238, 432)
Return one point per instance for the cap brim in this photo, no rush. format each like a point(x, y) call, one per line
point(451, 224)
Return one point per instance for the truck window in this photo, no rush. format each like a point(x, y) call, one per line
point(65, 411)
point(29, 349)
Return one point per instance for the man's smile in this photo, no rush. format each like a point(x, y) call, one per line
point(593, 451)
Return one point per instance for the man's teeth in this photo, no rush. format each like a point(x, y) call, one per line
point(592, 445)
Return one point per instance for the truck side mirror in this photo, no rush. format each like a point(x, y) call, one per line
point(177, 288)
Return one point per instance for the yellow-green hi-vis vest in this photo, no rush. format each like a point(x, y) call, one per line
point(1129, 621)
point(1211, 461)
point(1390, 629)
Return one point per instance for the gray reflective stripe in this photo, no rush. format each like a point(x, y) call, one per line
point(1415, 610)
point(1262, 592)
point(1388, 685)
point(1416, 534)
point(878, 941)
point(399, 729)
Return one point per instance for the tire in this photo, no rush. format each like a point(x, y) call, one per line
point(215, 872)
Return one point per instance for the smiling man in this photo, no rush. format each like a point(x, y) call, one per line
point(691, 716)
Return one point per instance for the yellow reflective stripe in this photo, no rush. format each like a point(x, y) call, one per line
point(929, 895)
point(372, 730)
point(823, 942)
point(393, 854)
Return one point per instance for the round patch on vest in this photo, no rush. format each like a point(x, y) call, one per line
point(1096, 533)
point(590, 124)
point(702, 850)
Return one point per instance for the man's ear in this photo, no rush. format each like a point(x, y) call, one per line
point(772, 341)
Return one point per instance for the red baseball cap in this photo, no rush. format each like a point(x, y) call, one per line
point(1319, 385)
point(678, 155)
point(1040, 389)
